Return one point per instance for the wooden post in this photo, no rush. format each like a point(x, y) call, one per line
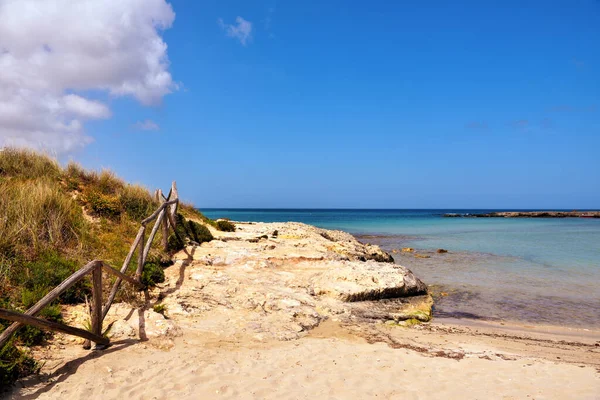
point(158, 210)
point(121, 275)
point(49, 298)
point(97, 302)
point(157, 225)
point(140, 266)
point(165, 224)
point(52, 326)
point(174, 195)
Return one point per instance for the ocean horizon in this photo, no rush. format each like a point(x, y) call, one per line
point(540, 270)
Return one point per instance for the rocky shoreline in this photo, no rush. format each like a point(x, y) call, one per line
point(528, 214)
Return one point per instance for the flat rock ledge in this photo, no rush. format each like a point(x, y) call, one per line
point(529, 214)
point(279, 280)
point(273, 281)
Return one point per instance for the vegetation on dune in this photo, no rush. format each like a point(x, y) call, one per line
point(53, 221)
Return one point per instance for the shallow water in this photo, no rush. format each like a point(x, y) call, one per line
point(536, 270)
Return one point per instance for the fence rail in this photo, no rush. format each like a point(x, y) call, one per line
point(165, 218)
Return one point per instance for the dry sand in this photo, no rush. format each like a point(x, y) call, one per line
point(330, 363)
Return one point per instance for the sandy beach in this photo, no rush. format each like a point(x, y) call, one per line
point(331, 363)
point(251, 317)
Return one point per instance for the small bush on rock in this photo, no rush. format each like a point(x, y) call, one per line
point(201, 233)
point(191, 230)
point(160, 308)
point(152, 274)
point(225, 226)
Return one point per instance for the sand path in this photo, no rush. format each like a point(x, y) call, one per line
point(329, 364)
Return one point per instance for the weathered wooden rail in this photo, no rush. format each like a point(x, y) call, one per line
point(165, 218)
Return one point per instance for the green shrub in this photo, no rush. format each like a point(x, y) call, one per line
point(152, 274)
point(29, 335)
point(200, 232)
point(159, 257)
point(191, 230)
point(37, 278)
point(183, 227)
point(174, 244)
point(103, 205)
point(160, 308)
point(183, 230)
point(14, 364)
point(225, 226)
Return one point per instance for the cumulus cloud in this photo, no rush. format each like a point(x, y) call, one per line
point(146, 125)
point(60, 58)
point(241, 30)
point(85, 108)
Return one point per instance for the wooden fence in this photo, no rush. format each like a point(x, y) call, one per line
point(165, 217)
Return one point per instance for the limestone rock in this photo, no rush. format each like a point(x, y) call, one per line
point(400, 309)
point(352, 281)
point(283, 285)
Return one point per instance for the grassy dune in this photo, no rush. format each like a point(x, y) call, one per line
point(52, 221)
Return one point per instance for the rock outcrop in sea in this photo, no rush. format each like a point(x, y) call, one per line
point(528, 214)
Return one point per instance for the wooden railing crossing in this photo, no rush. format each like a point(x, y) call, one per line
point(165, 216)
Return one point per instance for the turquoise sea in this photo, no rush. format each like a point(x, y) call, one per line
point(543, 271)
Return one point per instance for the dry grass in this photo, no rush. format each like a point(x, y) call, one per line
point(37, 216)
point(27, 164)
point(45, 235)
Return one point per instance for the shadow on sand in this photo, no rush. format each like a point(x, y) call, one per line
point(61, 374)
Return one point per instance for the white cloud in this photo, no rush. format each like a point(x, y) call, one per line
point(85, 108)
point(241, 31)
point(147, 125)
point(53, 53)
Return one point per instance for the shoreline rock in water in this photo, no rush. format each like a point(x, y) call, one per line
point(529, 214)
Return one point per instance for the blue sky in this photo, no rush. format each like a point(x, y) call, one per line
point(375, 104)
